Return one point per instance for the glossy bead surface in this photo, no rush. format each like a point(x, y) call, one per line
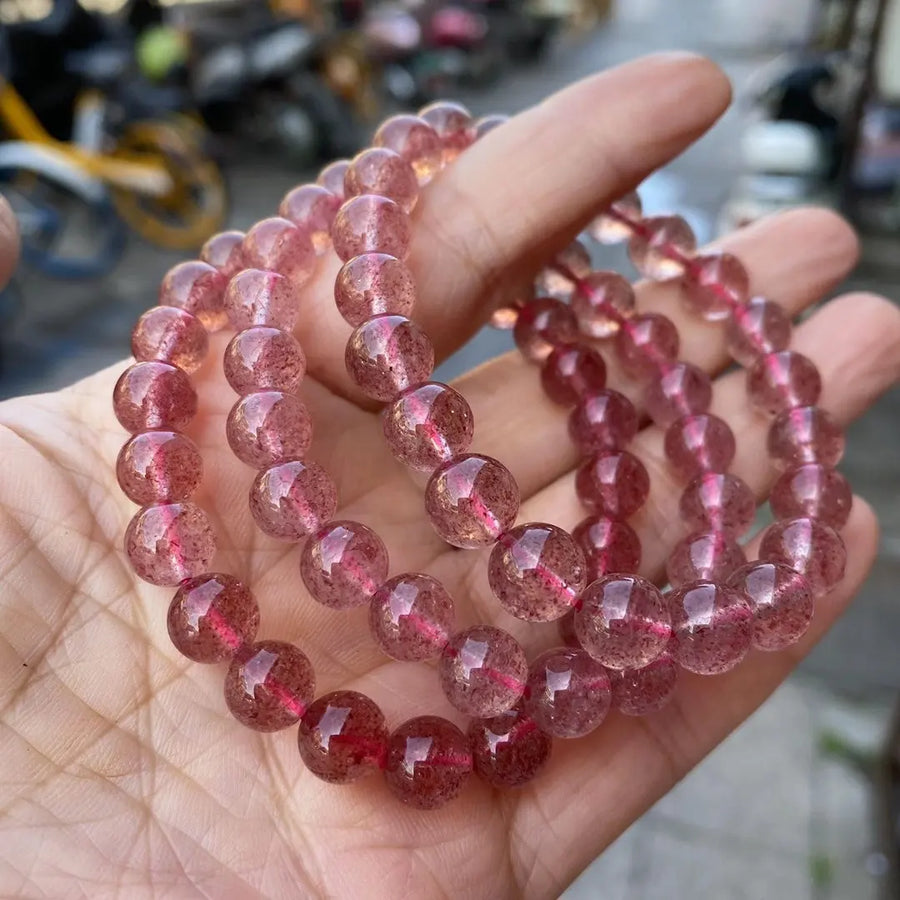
point(605, 420)
point(756, 328)
point(332, 177)
point(471, 500)
point(292, 499)
point(211, 617)
point(264, 359)
point(411, 617)
point(698, 444)
point(508, 750)
point(454, 126)
point(487, 124)
point(343, 563)
point(172, 335)
point(269, 685)
point(576, 260)
point(416, 141)
point(259, 297)
point(342, 737)
point(483, 671)
point(783, 380)
point(615, 484)
point(815, 491)
point(197, 288)
point(715, 284)
point(536, 572)
point(809, 547)
point(542, 325)
point(645, 344)
point(158, 466)
point(168, 542)
point(639, 692)
point(704, 556)
point(718, 501)
point(311, 208)
point(806, 434)
point(373, 284)
point(154, 395)
point(681, 389)
point(601, 302)
point(571, 371)
point(610, 229)
point(385, 173)
point(370, 224)
point(623, 621)
point(224, 252)
point(609, 546)
point(281, 246)
point(268, 427)
point(660, 249)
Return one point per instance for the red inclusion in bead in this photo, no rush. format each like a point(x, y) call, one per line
point(268, 427)
point(717, 501)
point(370, 224)
point(615, 484)
point(806, 434)
point(639, 692)
point(783, 380)
point(508, 750)
point(343, 737)
point(197, 288)
point(561, 276)
point(542, 325)
point(808, 546)
point(623, 621)
point(154, 395)
point(487, 124)
point(646, 343)
point(312, 209)
point(715, 284)
point(756, 328)
point(428, 762)
point(171, 335)
point(211, 617)
point(279, 245)
point(601, 303)
point(332, 177)
point(609, 546)
point(680, 390)
point(374, 284)
point(416, 141)
point(159, 466)
point(454, 126)
point(269, 685)
point(815, 491)
point(385, 173)
point(706, 556)
point(571, 371)
point(661, 247)
point(259, 297)
point(605, 420)
point(697, 444)
point(613, 225)
point(483, 671)
point(264, 359)
point(292, 499)
point(224, 252)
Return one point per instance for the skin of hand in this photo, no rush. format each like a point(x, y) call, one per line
point(122, 773)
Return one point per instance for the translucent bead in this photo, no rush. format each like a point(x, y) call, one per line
point(542, 325)
point(259, 297)
point(536, 572)
point(268, 427)
point(756, 328)
point(783, 380)
point(312, 208)
point(601, 302)
point(645, 344)
point(680, 390)
point(264, 359)
point(568, 693)
point(508, 750)
point(505, 316)
point(698, 444)
point(371, 224)
point(332, 177)
point(571, 371)
point(661, 249)
point(814, 491)
point(211, 617)
point(712, 626)
point(292, 499)
point(172, 335)
point(428, 762)
point(269, 686)
point(471, 500)
point(609, 228)
point(715, 284)
point(782, 603)
point(704, 556)
point(281, 246)
point(486, 124)
point(154, 395)
point(343, 737)
point(374, 284)
point(343, 563)
point(385, 173)
point(809, 547)
point(576, 260)
point(454, 126)
point(416, 141)
point(224, 251)
point(388, 354)
point(805, 434)
point(623, 621)
point(169, 542)
point(645, 690)
point(428, 425)
point(615, 484)
point(411, 617)
point(609, 546)
point(716, 501)
point(483, 671)
point(159, 466)
point(605, 420)
point(197, 288)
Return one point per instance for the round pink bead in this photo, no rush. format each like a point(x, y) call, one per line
point(601, 302)
point(609, 546)
point(488, 123)
point(809, 547)
point(756, 328)
point(615, 484)
point(292, 499)
point(623, 621)
point(224, 251)
point(260, 297)
point(428, 762)
point(373, 284)
point(645, 344)
point(268, 427)
point(471, 500)
point(332, 177)
point(505, 316)
point(608, 227)
point(698, 444)
point(716, 501)
point(542, 325)
point(416, 141)
point(706, 556)
point(571, 371)
point(536, 572)
point(782, 602)
point(411, 617)
point(568, 693)
point(279, 245)
point(715, 284)
point(370, 224)
point(342, 737)
point(154, 395)
point(264, 359)
point(211, 617)
point(605, 420)
point(343, 563)
point(171, 335)
point(576, 259)
point(156, 466)
point(712, 626)
point(385, 173)
point(169, 542)
point(783, 380)
point(269, 686)
point(454, 126)
point(388, 354)
point(805, 434)
point(815, 491)
point(312, 209)
point(508, 750)
point(639, 692)
point(661, 249)
point(428, 425)
point(680, 390)
point(483, 671)
point(197, 288)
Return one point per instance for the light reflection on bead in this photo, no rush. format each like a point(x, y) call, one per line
point(224, 252)
point(783, 380)
point(706, 556)
point(332, 177)
point(717, 501)
point(370, 224)
point(556, 284)
point(509, 749)
point(264, 359)
point(172, 335)
point(268, 427)
point(756, 328)
point(158, 466)
point(542, 325)
point(292, 499)
point(416, 141)
point(661, 248)
point(454, 126)
point(615, 484)
point(680, 389)
point(151, 395)
point(312, 208)
point(385, 173)
point(805, 434)
point(281, 246)
point(601, 302)
point(261, 297)
point(808, 546)
point(646, 343)
point(609, 546)
point(197, 288)
point(373, 284)
point(605, 420)
point(715, 284)
point(697, 444)
point(487, 124)
point(815, 491)
point(610, 229)
point(571, 371)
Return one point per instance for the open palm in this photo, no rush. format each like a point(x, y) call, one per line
point(121, 772)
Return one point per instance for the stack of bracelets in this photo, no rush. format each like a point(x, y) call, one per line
point(624, 641)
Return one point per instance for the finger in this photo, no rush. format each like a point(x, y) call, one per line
point(9, 242)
